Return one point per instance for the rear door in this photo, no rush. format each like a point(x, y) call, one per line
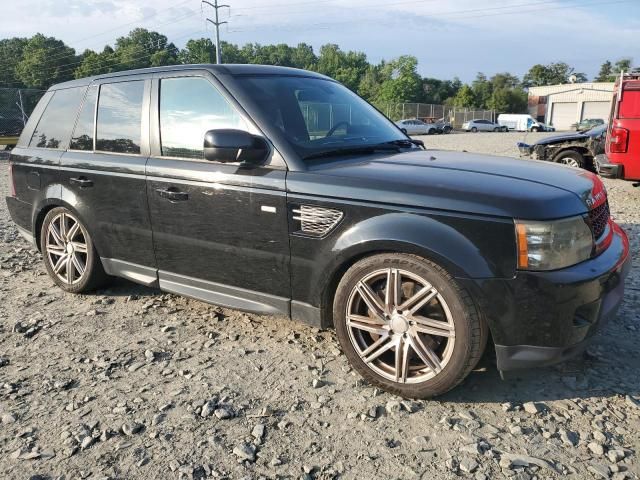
point(103, 174)
point(219, 229)
point(36, 158)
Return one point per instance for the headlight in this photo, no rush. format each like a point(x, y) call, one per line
point(553, 245)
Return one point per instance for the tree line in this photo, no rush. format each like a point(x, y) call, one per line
point(41, 61)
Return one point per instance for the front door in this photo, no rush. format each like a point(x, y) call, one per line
point(219, 229)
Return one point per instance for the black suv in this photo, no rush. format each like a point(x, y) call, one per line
point(279, 191)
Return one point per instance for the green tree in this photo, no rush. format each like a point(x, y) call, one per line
point(10, 54)
point(624, 64)
point(369, 86)
point(482, 90)
point(345, 67)
point(464, 97)
point(402, 83)
point(604, 75)
point(143, 48)
point(232, 54)
point(45, 61)
point(201, 50)
point(439, 91)
point(551, 74)
point(95, 63)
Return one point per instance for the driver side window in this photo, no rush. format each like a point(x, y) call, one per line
point(189, 107)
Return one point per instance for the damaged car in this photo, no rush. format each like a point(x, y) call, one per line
point(576, 150)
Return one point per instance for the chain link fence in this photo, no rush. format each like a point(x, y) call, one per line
point(455, 115)
point(16, 104)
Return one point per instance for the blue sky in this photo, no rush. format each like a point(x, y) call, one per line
point(449, 37)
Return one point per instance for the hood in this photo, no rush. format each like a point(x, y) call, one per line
point(565, 137)
point(453, 181)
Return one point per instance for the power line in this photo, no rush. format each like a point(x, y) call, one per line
point(217, 24)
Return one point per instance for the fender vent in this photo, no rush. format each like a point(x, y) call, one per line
point(315, 221)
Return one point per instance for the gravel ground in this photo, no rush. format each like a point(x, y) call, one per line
point(130, 383)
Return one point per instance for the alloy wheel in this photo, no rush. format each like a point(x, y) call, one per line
point(571, 162)
point(66, 248)
point(400, 325)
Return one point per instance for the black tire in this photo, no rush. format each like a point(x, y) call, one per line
point(535, 129)
point(504, 129)
point(447, 129)
point(471, 331)
point(474, 129)
point(93, 275)
point(497, 129)
point(431, 131)
point(570, 158)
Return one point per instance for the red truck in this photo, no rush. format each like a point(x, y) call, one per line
point(623, 135)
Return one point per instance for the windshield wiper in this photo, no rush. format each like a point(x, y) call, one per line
point(406, 143)
point(336, 152)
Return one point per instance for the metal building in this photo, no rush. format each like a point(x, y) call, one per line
point(566, 104)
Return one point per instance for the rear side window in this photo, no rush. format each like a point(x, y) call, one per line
point(630, 104)
point(189, 106)
point(56, 123)
point(82, 138)
point(120, 117)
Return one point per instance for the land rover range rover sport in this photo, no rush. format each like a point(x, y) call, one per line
point(279, 191)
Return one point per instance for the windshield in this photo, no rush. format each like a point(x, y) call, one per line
point(317, 115)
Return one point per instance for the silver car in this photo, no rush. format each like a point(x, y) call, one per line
point(413, 126)
point(483, 126)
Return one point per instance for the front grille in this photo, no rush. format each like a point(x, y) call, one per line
point(599, 218)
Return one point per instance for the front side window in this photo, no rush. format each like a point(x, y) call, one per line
point(317, 115)
point(189, 107)
point(82, 138)
point(119, 127)
point(54, 127)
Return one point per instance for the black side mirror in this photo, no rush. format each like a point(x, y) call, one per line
point(234, 146)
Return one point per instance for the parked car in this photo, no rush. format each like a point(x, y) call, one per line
point(482, 126)
point(441, 125)
point(413, 126)
point(203, 180)
point(587, 124)
point(623, 136)
point(521, 122)
point(577, 150)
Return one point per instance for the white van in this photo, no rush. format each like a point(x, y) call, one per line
point(522, 122)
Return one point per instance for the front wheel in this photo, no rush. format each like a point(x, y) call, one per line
point(474, 129)
point(497, 129)
point(535, 129)
point(407, 326)
point(571, 158)
point(69, 255)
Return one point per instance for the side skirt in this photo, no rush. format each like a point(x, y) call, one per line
point(216, 293)
point(224, 295)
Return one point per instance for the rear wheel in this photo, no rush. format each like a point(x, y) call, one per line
point(535, 129)
point(431, 131)
point(69, 255)
point(407, 326)
point(497, 129)
point(504, 129)
point(571, 158)
point(447, 129)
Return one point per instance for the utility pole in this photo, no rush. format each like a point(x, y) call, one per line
point(217, 24)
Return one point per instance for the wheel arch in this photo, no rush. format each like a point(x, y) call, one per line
point(424, 238)
point(41, 210)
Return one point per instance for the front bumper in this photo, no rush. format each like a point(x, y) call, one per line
point(540, 318)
